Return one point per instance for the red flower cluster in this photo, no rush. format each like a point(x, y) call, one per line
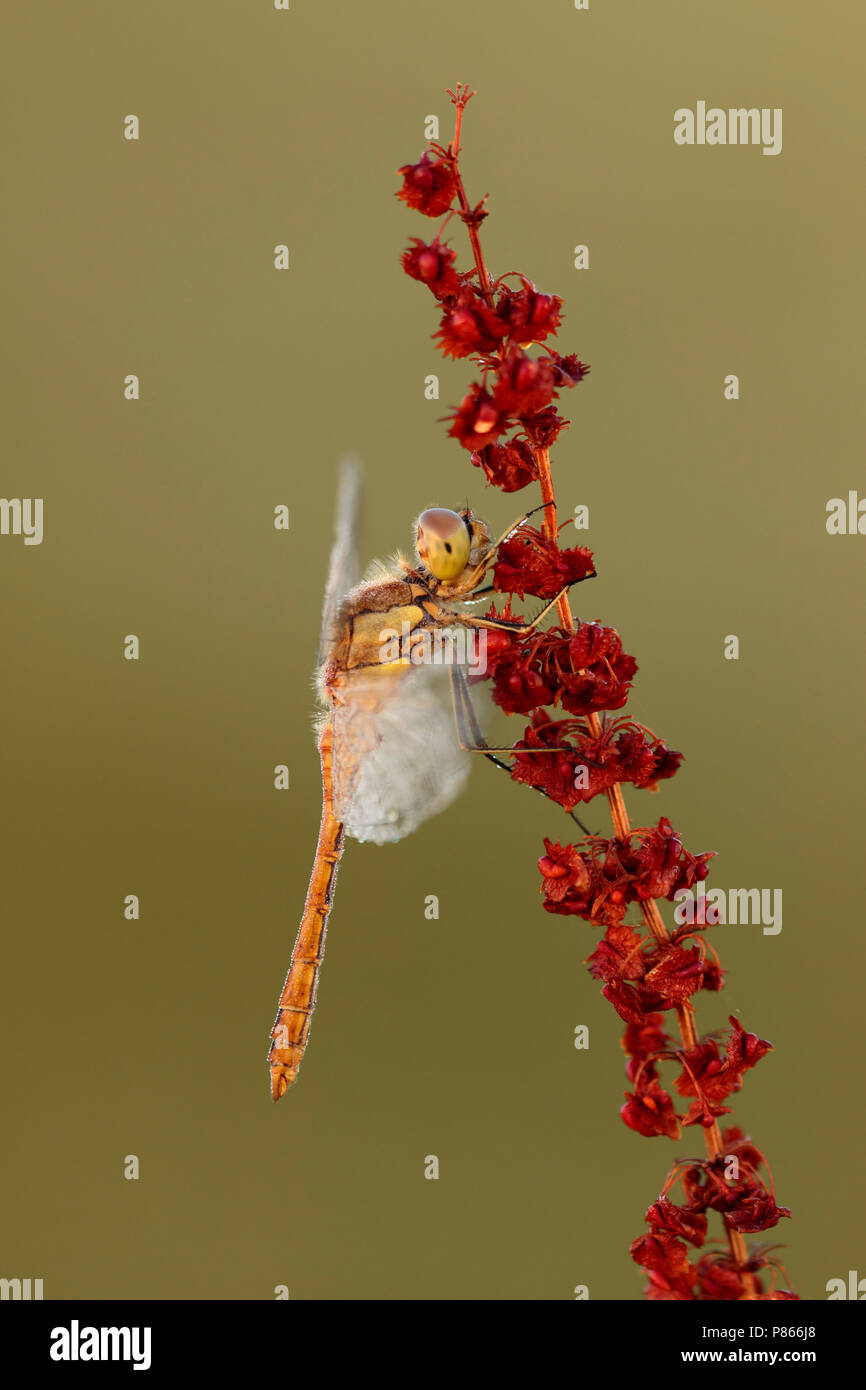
point(705, 1075)
point(531, 317)
point(599, 883)
point(584, 671)
point(747, 1204)
point(469, 326)
point(478, 419)
point(528, 563)
point(494, 323)
point(509, 421)
point(429, 186)
point(710, 1077)
point(579, 765)
point(508, 466)
point(433, 265)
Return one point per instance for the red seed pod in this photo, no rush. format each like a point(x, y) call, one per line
point(428, 186)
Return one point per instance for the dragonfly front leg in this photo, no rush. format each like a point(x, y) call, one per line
point(516, 525)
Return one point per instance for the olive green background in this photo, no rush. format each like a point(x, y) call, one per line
point(449, 1037)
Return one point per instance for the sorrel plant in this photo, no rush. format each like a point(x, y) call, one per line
point(508, 422)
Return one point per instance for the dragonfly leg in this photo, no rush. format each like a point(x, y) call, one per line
point(472, 740)
point(505, 624)
point(515, 525)
point(546, 609)
point(469, 734)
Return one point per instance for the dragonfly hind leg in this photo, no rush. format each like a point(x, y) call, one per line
point(472, 740)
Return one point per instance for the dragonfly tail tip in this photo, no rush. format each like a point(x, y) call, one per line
point(280, 1082)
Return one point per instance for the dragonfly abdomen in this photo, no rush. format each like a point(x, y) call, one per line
point(292, 1025)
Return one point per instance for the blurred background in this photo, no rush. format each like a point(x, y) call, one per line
point(449, 1037)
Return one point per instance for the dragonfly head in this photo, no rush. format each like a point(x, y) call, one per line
point(453, 546)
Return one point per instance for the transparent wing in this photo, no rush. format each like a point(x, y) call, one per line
point(343, 569)
point(397, 760)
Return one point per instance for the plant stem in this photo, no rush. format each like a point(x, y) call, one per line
point(468, 218)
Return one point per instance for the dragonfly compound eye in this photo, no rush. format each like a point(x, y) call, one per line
point(443, 542)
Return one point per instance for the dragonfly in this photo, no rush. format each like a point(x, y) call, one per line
point(390, 758)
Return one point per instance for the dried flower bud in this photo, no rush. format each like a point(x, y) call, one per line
point(432, 264)
point(428, 186)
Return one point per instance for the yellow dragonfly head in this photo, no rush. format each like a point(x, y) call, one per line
point(454, 546)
